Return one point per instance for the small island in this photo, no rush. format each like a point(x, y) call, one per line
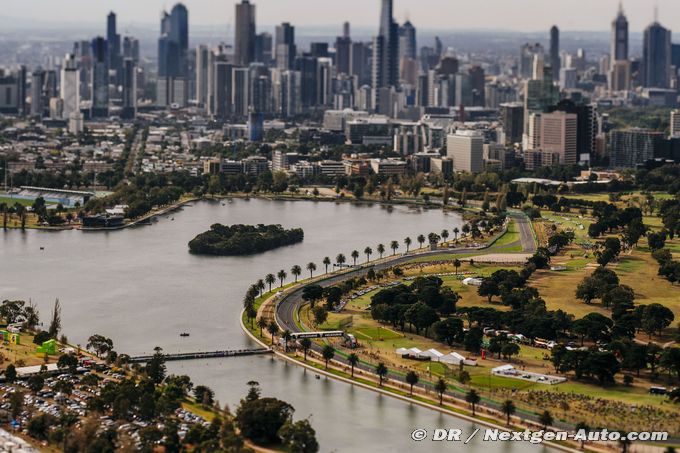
point(237, 240)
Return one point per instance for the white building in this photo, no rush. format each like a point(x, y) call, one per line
point(466, 148)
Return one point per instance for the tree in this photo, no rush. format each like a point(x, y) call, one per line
point(473, 398)
point(311, 267)
point(455, 234)
point(299, 437)
point(582, 429)
point(273, 329)
point(655, 318)
point(312, 293)
point(509, 350)
point(340, 259)
point(306, 345)
point(381, 250)
point(270, 279)
point(394, 245)
point(261, 323)
point(55, 324)
point(68, 361)
point(10, 373)
point(440, 387)
point(36, 383)
point(320, 315)
point(327, 262)
point(456, 264)
point(508, 408)
point(282, 276)
point(656, 241)
point(156, 368)
point(421, 240)
point(355, 256)
point(545, 419)
point(381, 371)
point(204, 395)
point(353, 360)
point(412, 379)
point(99, 344)
point(489, 288)
point(261, 419)
point(407, 243)
point(327, 353)
point(445, 235)
point(260, 286)
point(448, 330)
point(296, 271)
point(286, 336)
point(368, 252)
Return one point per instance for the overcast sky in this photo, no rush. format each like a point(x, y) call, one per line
point(521, 15)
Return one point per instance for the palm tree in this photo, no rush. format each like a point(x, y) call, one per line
point(381, 250)
point(466, 228)
point(445, 235)
point(340, 259)
point(286, 338)
point(394, 245)
point(282, 276)
point(355, 255)
point(546, 419)
point(328, 353)
point(412, 379)
point(261, 323)
point(306, 344)
point(273, 329)
point(407, 242)
point(508, 408)
point(327, 262)
point(433, 238)
point(421, 240)
point(381, 371)
point(311, 267)
point(296, 271)
point(368, 252)
point(352, 359)
point(440, 387)
point(473, 398)
point(582, 426)
point(270, 279)
point(456, 264)
point(260, 286)
point(455, 234)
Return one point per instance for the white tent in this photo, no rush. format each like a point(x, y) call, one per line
point(433, 354)
point(455, 358)
point(402, 351)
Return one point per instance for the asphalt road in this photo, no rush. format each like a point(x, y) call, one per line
point(291, 302)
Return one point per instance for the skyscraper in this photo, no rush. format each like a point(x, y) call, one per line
point(100, 78)
point(466, 148)
point(656, 57)
point(202, 68)
point(619, 45)
point(113, 46)
point(129, 82)
point(555, 52)
point(407, 41)
point(70, 86)
point(343, 50)
point(285, 46)
point(244, 39)
point(37, 99)
point(173, 62)
point(385, 52)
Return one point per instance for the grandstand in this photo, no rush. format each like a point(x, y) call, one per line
point(67, 198)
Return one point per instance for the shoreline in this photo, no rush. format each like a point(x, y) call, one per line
point(393, 394)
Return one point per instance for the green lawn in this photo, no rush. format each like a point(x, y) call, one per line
point(509, 237)
point(12, 201)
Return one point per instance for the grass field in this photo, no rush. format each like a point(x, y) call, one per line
point(12, 201)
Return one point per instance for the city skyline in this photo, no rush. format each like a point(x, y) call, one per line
point(463, 16)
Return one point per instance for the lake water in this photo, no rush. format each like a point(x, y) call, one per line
point(141, 287)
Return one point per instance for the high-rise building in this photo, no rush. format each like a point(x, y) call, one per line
point(129, 89)
point(528, 54)
point(629, 148)
point(100, 78)
point(466, 148)
point(619, 43)
point(675, 123)
point(620, 76)
point(240, 87)
point(70, 86)
point(244, 39)
point(385, 73)
point(407, 41)
point(113, 47)
point(343, 51)
point(477, 82)
point(202, 69)
point(223, 93)
point(555, 62)
point(173, 61)
point(11, 89)
point(512, 118)
point(263, 48)
point(308, 67)
point(656, 57)
point(358, 65)
point(285, 46)
point(558, 135)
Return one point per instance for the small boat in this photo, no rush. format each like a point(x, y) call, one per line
point(223, 204)
point(184, 334)
point(317, 376)
point(173, 219)
point(42, 248)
